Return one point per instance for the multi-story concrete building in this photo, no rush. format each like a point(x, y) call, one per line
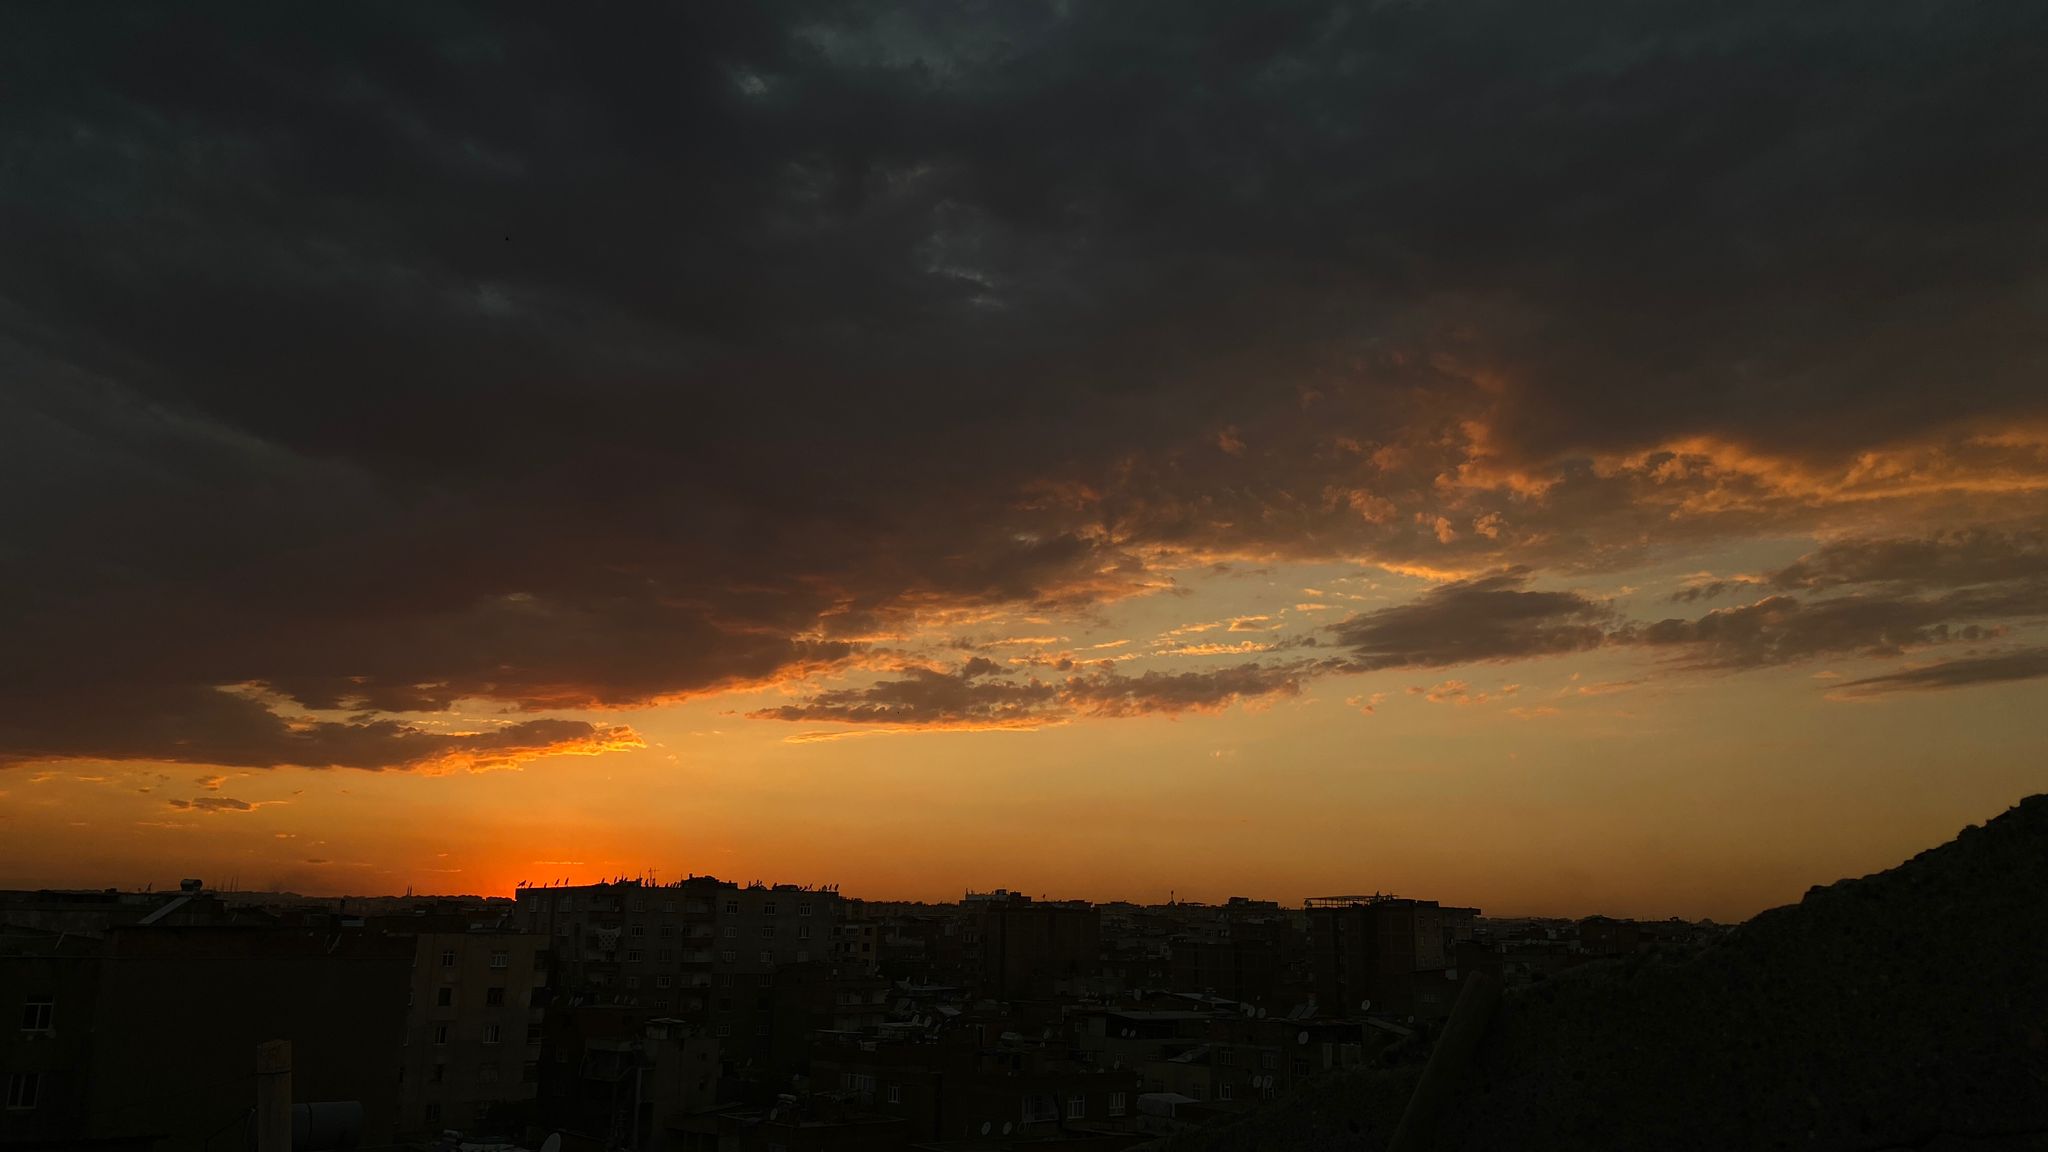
point(702, 950)
point(962, 1086)
point(472, 1047)
point(1386, 950)
point(139, 1019)
point(1026, 948)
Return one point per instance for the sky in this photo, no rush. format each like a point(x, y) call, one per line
point(1567, 458)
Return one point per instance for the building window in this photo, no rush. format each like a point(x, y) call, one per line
point(444, 997)
point(768, 930)
point(639, 929)
point(437, 1074)
point(664, 981)
point(768, 908)
point(730, 957)
point(767, 957)
point(802, 956)
point(529, 1072)
point(767, 980)
point(895, 1090)
point(448, 958)
point(490, 1033)
point(440, 1033)
point(494, 997)
point(1039, 1107)
point(725, 979)
point(1116, 1103)
point(803, 931)
point(1077, 1107)
point(38, 1013)
point(501, 959)
point(731, 930)
point(22, 1090)
point(533, 1033)
point(661, 1005)
point(632, 981)
point(632, 955)
point(668, 906)
point(732, 907)
point(432, 1113)
point(487, 1073)
point(803, 908)
point(665, 956)
point(668, 930)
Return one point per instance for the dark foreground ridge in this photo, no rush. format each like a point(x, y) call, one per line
point(1908, 1009)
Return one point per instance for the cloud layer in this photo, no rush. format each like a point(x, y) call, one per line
point(585, 359)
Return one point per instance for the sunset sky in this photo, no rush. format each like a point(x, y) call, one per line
point(1559, 458)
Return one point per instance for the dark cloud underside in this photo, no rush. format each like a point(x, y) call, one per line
point(2029, 664)
point(567, 356)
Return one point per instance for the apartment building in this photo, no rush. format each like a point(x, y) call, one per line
point(470, 1057)
point(701, 950)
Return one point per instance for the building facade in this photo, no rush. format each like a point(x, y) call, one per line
point(470, 1058)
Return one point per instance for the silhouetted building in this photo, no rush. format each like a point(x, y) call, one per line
point(1025, 948)
point(472, 1048)
point(1384, 950)
point(141, 1029)
point(1606, 936)
point(702, 950)
point(960, 1086)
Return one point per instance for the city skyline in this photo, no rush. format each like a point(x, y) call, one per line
point(1560, 463)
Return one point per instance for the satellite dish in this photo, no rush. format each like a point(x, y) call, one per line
point(1365, 1005)
point(1301, 1037)
point(1006, 1127)
point(552, 1144)
point(1262, 1013)
point(984, 1127)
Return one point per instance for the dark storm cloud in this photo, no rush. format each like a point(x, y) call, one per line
point(213, 804)
point(1693, 593)
point(927, 697)
point(1949, 560)
point(575, 356)
point(207, 726)
point(931, 698)
point(1483, 619)
point(1783, 629)
point(1172, 693)
point(1873, 596)
point(2029, 664)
